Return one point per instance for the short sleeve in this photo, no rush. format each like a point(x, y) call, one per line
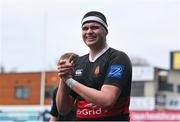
point(119, 71)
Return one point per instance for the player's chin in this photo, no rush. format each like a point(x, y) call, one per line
point(90, 43)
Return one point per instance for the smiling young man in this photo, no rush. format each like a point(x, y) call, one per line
point(100, 81)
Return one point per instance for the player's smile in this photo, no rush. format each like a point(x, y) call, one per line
point(90, 38)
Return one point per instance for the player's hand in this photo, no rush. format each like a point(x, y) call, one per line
point(65, 68)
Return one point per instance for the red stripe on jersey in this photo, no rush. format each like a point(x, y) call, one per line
point(86, 109)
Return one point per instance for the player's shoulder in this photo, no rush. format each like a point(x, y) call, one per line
point(114, 52)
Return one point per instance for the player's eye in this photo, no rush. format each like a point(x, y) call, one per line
point(84, 28)
point(94, 27)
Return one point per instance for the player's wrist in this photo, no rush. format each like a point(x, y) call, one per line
point(70, 82)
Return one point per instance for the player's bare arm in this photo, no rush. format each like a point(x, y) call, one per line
point(105, 97)
point(63, 99)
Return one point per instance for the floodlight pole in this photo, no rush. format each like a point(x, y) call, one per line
point(43, 72)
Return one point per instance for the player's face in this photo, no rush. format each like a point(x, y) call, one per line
point(94, 34)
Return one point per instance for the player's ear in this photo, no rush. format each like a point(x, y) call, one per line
point(106, 33)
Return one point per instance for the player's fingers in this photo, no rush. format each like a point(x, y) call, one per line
point(61, 62)
point(71, 58)
point(63, 74)
point(64, 67)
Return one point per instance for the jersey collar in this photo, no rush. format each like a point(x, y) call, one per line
point(98, 55)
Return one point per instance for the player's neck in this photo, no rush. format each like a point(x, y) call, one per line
point(94, 52)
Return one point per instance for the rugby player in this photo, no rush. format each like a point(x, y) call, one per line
point(100, 81)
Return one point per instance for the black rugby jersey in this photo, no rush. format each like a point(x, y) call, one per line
point(112, 67)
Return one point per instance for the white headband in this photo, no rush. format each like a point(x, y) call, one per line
point(94, 18)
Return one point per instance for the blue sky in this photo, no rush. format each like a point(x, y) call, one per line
point(34, 33)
